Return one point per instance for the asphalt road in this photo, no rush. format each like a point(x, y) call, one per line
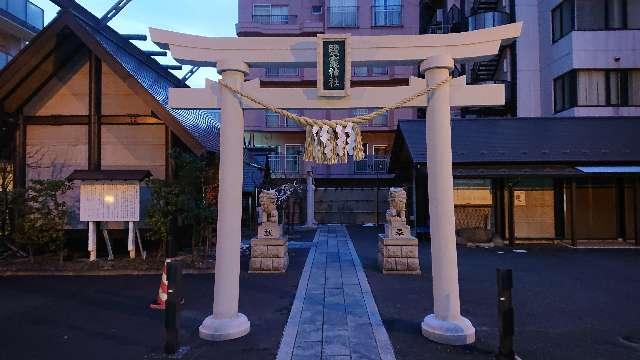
point(108, 317)
point(569, 304)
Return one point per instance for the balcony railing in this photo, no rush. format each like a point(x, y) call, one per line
point(24, 10)
point(276, 71)
point(284, 164)
point(291, 165)
point(379, 121)
point(438, 29)
point(274, 19)
point(386, 15)
point(342, 16)
point(273, 120)
point(372, 165)
point(488, 19)
point(4, 59)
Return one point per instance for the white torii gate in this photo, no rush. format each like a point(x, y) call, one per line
point(435, 53)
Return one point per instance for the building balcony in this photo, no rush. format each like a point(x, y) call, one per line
point(438, 29)
point(286, 165)
point(389, 15)
point(21, 18)
point(294, 166)
point(275, 121)
point(274, 19)
point(488, 19)
point(342, 16)
point(277, 25)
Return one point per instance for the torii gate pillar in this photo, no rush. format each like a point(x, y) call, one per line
point(226, 322)
point(445, 325)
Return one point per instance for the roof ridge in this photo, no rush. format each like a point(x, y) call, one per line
point(88, 18)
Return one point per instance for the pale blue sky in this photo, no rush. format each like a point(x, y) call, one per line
point(202, 17)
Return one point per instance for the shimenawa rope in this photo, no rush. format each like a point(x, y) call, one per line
point(329, 129)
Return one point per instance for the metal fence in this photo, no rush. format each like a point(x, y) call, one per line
point(274, 19)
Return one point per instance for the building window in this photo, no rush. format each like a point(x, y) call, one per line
point(270, 14)
point(316, 9)
point(379, 121)
point(379, 70)
point(343, 13)
point(564, 88)
point(4, 59)
point(634, 88)
point(592, 88)
point(562, 18)
point(386, 13)
point(360, 70)
point(274, 120)
point(364, 70)
point(597, 15)
point(616, 14)
point(278, 71)
point(597, 88)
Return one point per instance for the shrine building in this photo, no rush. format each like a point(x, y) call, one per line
point(81, 96)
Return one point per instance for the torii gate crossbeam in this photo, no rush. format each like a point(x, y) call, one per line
point(435, 53)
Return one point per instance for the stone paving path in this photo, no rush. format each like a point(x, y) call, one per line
point(334, 315)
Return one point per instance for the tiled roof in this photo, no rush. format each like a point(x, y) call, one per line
point(203, 125)
point(533, 140)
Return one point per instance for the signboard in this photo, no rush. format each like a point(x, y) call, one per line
point(334, 65)
point(110, 201)
point(519, 198)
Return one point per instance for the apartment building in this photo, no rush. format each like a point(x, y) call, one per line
point(574, 57)
point(307, 18)
point(267, 129)
point(20, 20)
point(572, 78)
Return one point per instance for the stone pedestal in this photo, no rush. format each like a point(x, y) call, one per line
point(398, 255)
point(269, 250)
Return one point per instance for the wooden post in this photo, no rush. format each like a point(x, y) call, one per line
point(511, 218)
point(20, 170)
point(168, 163)
point(414, 206)
point(498, 209)
point(558, 208)
point(95, 110)
point(621, 223)
point(636, 206)
point(574, 241)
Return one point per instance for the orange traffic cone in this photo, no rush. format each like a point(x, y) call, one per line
point(162, 291)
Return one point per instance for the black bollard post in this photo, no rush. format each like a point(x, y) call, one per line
point(174, 280)
point(505, 315)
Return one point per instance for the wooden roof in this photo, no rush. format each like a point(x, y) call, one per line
point(75, 30)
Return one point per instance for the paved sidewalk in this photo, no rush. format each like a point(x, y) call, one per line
point(334, 315)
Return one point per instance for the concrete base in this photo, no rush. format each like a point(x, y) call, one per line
point(225, 329)
point(458, 332)
point(398, 255)
point(269, 255)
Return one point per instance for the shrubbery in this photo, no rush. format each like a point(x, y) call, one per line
point(41, 216)
point(188, 199)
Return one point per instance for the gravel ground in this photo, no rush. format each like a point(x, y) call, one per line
point(569, 304)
